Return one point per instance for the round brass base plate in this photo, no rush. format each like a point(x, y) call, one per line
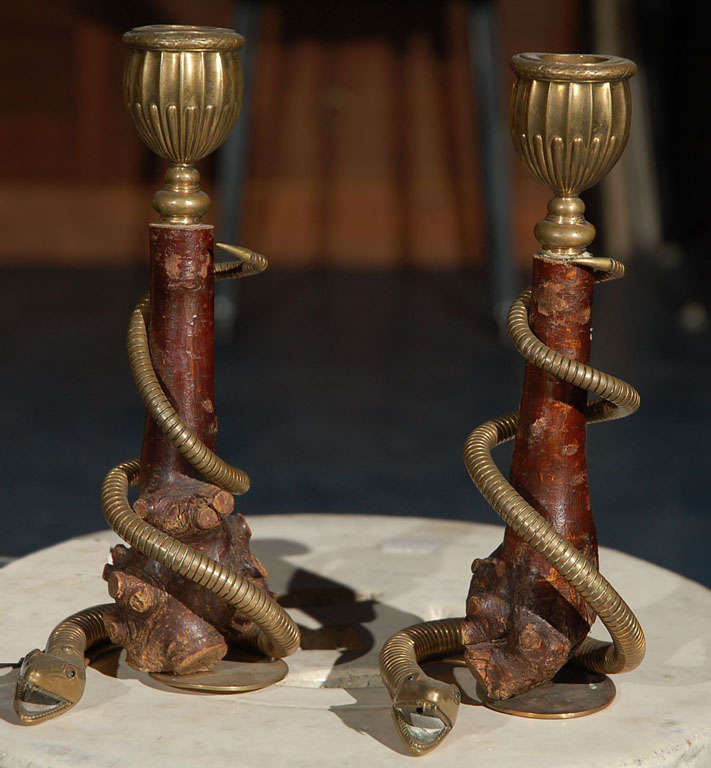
point(573, 692)
point(229, 677)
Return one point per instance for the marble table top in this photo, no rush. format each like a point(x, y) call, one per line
point(354, 580)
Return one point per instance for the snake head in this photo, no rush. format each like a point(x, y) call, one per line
point(424, 710)
point(47, 686)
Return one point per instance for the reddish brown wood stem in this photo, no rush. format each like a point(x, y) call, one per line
point(524, 619)
point(181, 336)
point(165, 622)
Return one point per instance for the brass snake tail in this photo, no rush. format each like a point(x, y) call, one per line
point(399, 660)
point(277, 634)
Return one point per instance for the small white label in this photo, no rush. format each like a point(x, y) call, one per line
point(409, 546)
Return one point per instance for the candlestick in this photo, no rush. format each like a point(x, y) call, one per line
point(531, 603)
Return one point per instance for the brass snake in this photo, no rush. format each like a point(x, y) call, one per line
point(52, 681)
point(425, 709)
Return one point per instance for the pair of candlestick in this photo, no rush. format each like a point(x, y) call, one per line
point(188, 585)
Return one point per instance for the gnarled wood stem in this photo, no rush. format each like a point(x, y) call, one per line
point(165, 622)
point(523, 620)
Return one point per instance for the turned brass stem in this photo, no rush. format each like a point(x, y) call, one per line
point(181, 201)
point(565, 232)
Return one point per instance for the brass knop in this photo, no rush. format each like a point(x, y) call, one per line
point(183, 89)
point(570, 121)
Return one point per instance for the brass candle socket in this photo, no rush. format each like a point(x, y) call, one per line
point(183, 89)
point(570, 121)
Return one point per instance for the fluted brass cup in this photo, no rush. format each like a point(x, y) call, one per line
point(183, 89)
point(570, 122)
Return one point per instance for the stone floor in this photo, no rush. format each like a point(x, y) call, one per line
point(350, 393)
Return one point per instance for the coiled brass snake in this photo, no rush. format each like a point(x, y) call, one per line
point(424, 709)
point(52, 681)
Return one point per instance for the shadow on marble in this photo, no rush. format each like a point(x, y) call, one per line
point(369, 714)
point(341, 615)
point(351, 624)
point(7, 693)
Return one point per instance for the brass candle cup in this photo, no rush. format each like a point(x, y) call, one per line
point(183, 89)
point(570, 121)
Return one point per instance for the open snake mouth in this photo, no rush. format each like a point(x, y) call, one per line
point(421, 724)
point(33, 702)
point(425, 710)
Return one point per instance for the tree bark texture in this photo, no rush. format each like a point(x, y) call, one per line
point(523, 618)
point(165, 622)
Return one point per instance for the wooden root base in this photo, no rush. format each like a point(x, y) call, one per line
point(518, 628)
point(165, 622)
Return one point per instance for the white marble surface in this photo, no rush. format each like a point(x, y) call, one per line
point(400, 570)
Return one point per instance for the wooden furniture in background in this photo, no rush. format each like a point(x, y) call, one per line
point(363, 148)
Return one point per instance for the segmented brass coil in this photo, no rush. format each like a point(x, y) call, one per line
point(79, 631)
point(399, 659)
point(205, 461)
point(424, 641)
point(277, 635)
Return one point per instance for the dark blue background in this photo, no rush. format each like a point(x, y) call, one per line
point(349, 393)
